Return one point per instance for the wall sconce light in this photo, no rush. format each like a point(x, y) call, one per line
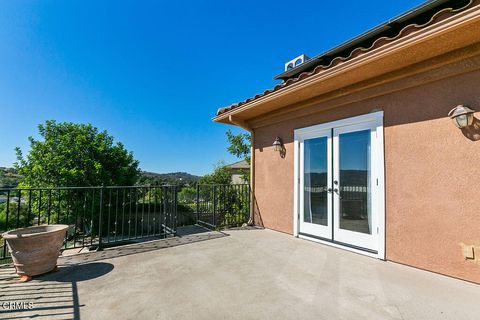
point(277, 144)
point(462, 116)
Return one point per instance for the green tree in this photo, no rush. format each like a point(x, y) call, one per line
point(221, 175)
point(239, 146)
point(73, 154)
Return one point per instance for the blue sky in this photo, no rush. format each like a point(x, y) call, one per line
point(153, 73)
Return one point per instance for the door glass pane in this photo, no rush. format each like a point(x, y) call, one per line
point(354, 184)
point(315, 181)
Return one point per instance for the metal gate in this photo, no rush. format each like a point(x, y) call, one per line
point(220, 206)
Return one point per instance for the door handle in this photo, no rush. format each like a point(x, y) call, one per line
point(337, 192)
point(330, 190)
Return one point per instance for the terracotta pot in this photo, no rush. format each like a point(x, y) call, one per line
point(35, 250)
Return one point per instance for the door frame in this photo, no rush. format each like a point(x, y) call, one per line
point(373, 117)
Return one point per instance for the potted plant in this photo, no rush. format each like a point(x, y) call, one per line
point(35, 250)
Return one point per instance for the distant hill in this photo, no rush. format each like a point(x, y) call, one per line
point(10, 178)
point(347, 178)
point(178, 178)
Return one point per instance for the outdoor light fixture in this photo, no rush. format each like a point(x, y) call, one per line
point(277, 144)
point(462, 116)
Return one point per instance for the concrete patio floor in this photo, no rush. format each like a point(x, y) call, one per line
point(237, 274)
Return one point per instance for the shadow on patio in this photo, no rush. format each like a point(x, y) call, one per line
point(185, 235)
point(55, 295)
point(51, 296)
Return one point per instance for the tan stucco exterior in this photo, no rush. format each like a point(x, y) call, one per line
point(432, 217)
point(430, 170)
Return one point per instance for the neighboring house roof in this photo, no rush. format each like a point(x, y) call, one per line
point(405, 24)
point(239, 165)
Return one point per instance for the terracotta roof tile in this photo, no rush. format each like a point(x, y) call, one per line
point(381, 41)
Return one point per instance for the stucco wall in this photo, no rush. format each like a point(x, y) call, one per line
point(431, 169)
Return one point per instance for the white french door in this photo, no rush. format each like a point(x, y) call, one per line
point(316, 202)
point(339, 170)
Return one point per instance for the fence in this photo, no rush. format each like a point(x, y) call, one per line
point(97, 216)
point(220, 206)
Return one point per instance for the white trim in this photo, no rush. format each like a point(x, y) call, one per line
point(324, 231)
point(296, 185)
point(364, 240)
point(378, 162)
point(380, 165)
point(339, 246)
point(376, 116)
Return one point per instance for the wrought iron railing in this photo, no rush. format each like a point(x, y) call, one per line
point(97, 216)
point(103, 216)
point(221, 206)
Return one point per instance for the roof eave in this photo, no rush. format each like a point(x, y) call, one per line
point(370, 34)
point(245, 113)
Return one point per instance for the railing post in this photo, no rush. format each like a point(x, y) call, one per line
point(251, 202)
point(174, 210)
point(100, 219)
point(109, 213)
point(19, 205)
point(49, 205)
point(214, 222)
point(164, 205)
point(4, 255)
point(198, 202)
point(39, 206)
point(29, 212)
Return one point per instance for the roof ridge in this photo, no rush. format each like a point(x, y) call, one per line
point(356, 52)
